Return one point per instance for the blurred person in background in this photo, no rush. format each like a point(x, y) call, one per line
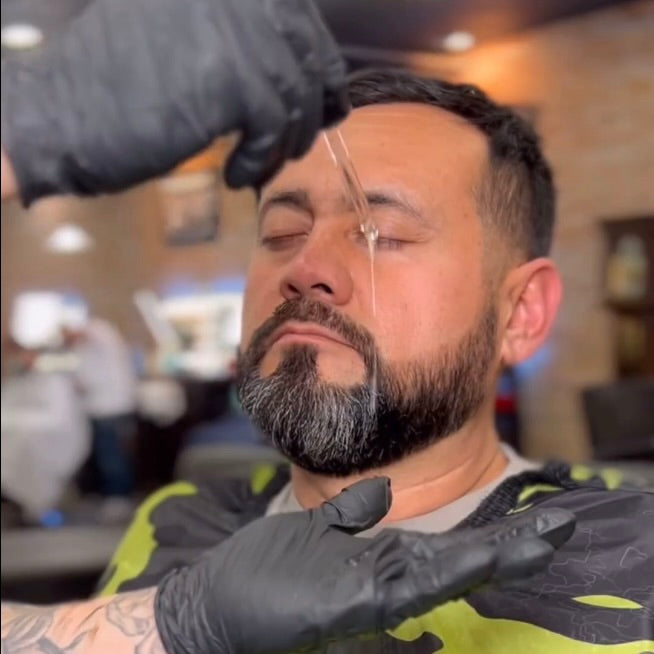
point(128, 92)
point(107, 382)
point(45, 434)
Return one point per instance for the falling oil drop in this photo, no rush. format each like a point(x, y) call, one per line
point(341, 158)
point(371, 235)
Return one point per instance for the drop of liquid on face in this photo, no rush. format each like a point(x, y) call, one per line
point(371, 234)
point(341, 158)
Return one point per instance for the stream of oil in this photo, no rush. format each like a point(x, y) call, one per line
point(341, 158)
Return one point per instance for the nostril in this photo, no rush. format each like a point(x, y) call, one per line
point(323, 287)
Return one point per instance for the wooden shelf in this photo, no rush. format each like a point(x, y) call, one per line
point(633, 320)
point(624, 306)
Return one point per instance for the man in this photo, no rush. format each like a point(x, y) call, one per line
point(464, 204)
point(131, 89)
point(45, 435)
point(107, 382)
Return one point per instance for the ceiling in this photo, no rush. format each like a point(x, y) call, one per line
point(369, 28)
point(364, 26)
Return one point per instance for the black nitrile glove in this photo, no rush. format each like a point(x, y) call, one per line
point(299, 580)
point(134, 87)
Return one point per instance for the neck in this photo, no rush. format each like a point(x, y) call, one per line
point(424, 481)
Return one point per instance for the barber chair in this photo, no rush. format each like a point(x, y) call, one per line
point(620, 418)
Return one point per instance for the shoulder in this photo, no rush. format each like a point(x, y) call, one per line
point(598, 587)
point(613, 537)
point(597, 592)
point(597, 496)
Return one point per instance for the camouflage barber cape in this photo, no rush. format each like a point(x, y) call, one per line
point(596, 597)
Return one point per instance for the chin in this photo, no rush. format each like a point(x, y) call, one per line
point(338, 374)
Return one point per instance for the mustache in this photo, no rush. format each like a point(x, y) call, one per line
point(306, 310)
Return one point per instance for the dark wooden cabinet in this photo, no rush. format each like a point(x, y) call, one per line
point(629, 292)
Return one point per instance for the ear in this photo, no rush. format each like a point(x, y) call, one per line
point(531, 294)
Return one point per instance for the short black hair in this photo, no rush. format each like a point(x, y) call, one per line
point(517, 194)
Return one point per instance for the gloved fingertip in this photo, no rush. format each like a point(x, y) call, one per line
point(378, 487)
point(359, 506)
point(336, 106)
point(554, 525)
point(522, 557)
point(253, 162)
point(239, 170)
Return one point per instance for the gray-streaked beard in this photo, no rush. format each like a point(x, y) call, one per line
point(312, 423)
point(336, 430)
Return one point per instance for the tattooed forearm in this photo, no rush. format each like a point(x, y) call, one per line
point(122, 624)
point(23, 627)
point(133, 614)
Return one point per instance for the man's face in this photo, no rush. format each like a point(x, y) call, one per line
point(341, 388)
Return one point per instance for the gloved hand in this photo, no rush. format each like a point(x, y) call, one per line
point(299, 580)
point(136, 86)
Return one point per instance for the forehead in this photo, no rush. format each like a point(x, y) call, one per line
point(430, 153)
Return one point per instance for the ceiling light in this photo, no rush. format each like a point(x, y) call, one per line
point(458, 41)
point(20, 36)
point(68, 239)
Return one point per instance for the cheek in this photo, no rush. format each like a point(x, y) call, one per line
point(260, 300)
point(417, 315)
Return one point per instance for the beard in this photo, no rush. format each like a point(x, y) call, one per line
point(398, 410)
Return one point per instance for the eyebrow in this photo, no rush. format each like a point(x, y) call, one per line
point(292, 198)
point(394, 200)
point(300, 199)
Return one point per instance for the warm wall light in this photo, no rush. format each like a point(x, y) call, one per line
point(459, 41)
point(20, 36)
point(68, 239)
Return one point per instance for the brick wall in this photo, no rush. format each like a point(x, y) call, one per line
point(590, 81)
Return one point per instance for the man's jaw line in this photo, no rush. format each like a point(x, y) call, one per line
point(424, 481)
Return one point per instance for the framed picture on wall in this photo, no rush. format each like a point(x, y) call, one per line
point(190, 205)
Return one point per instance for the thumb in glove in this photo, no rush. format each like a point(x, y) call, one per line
point(358, 507)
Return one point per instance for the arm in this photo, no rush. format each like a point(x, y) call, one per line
point(9, 185)
point(121, 624)
point(294, 582)
point(100, 109)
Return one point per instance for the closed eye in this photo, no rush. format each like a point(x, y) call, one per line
point(282, 241)
point(390, 243)
point(384, 242)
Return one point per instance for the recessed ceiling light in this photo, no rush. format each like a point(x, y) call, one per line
point(69, 239)
point(458, 41)
point(20, 36)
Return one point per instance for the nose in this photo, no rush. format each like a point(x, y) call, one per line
point(318, 272)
